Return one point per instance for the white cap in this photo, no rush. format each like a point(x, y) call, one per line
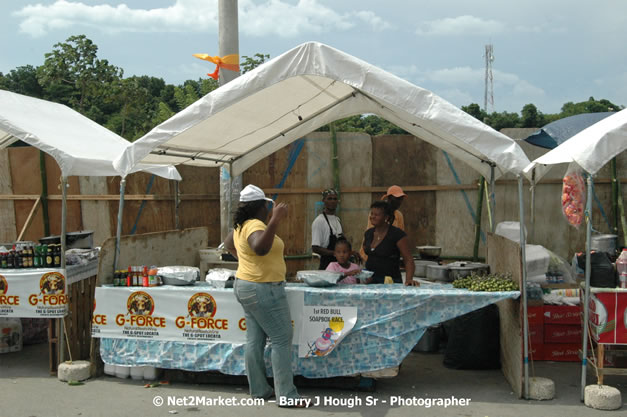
point(252, 193)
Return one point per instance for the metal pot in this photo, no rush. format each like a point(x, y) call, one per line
point(438, 273)
point(83, 239)
point(421, 268)
point(429, 251)
point(604, 243)
point(430, 340)
point(464, 269)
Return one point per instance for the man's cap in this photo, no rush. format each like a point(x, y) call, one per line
point(252, 193)
point(328, 191)
point(395, 191)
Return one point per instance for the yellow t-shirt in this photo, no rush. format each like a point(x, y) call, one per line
point(252, 267)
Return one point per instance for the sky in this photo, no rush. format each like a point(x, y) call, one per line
point(545, 52)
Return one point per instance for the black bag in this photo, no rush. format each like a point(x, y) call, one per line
point(602, 272)
point(473, 342)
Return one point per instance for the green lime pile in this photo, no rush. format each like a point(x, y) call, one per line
point(489, 283)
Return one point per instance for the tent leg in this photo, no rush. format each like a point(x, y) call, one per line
point(64, 186)
point(523, 287)
point(118, 235)
point(584, 348)
point(177, 202)
point(532, 220)
point(492, 205)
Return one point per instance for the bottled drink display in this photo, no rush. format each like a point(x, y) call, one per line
point(29, 255)
point(136, 276)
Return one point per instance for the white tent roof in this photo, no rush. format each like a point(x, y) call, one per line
point(591, 148)
point(79, 145)
point(305, 88)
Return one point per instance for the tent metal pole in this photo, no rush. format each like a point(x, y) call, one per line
point(492, 203)
point(177, 201)
point(523, 289)
point(532, 216)
point(60, 338)
point(229, 220)
point(118, 235)
point(586, 307)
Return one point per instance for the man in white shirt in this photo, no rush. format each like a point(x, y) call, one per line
point(326, 229)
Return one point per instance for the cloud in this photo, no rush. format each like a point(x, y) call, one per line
point(378, 24)
point(461, 25)
point(256, 18)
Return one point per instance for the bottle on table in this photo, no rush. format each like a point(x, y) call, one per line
point(621, 268)
point(49, 256)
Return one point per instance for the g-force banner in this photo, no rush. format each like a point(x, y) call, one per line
point(187, 314)
point(33, 293)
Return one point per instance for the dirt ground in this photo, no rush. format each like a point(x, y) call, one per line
point(424, 387)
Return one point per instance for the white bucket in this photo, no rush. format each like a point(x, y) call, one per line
point(137, 372)
point(109, 369)
point(122, 371)
point(10, 335)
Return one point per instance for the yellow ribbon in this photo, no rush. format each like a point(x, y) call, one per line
point(229, 62)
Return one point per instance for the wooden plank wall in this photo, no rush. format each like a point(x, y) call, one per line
point(268, 173)
point(26, 179)
point(504, 256)
point(407, 160)
point(7, 207)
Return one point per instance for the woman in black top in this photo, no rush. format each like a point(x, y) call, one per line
point(384, 244)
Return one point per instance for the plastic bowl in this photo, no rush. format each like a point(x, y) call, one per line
point(364, 275)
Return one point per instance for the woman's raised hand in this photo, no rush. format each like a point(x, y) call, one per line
point(279, 212)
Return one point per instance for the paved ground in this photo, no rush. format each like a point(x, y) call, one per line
point(26, 390)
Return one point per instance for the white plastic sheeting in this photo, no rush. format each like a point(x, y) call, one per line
point(79, 145)
point(591, 148)
point(305, 88)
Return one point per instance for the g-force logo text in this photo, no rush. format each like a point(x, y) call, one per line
point(202, 308)
point(140, 306)
point(11, 300)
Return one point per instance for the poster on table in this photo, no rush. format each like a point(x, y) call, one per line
point(608, 317)
point(185, 314)
point(324, 327)
point(32, 293)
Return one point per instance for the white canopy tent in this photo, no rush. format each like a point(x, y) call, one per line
point(591, 149)
point(308, 87)
point(295, 93)
point(79, 145)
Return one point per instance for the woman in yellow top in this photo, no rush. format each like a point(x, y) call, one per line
point(260, 289)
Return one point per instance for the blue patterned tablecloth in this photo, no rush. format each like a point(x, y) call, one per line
point(391, 320)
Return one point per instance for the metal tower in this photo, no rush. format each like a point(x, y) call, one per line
point(488, 97)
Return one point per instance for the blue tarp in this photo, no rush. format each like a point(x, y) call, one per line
point(553, 134)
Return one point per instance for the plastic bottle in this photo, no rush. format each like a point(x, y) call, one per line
point(621, 267)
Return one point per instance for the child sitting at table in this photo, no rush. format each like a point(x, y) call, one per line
point(342, 253)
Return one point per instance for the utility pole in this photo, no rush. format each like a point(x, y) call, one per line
point(488, 96)
point(228, 37)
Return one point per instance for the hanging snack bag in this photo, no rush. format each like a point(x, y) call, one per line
point(573, 195)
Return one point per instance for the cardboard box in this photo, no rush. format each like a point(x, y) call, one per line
point(561, 352)
point(535, 315)
point(536, 334)
point(562, 314)
point(607, 315)
point(536, 352)
point(562, 333)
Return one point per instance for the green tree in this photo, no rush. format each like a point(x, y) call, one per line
point(530, 116)
point(22, 80)
point(249, 63)
point(475, 111)
point(72, 74)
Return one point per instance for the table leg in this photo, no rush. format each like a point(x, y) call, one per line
point(600, 359)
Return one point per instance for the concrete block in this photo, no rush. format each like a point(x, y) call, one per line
point(541, 389)
point(602, 397)
point(74, 371)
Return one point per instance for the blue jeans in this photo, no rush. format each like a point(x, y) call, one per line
point(267, 315)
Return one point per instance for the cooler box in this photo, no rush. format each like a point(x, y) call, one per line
point(607, 315)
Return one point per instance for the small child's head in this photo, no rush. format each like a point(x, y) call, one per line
point(342, 251)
